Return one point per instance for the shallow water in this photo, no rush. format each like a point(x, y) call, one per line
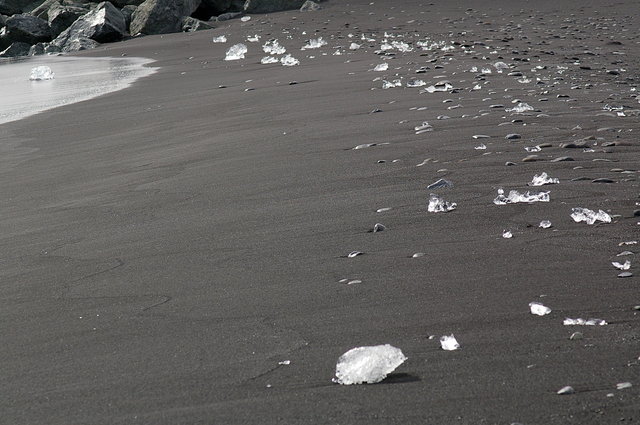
point(76, 79)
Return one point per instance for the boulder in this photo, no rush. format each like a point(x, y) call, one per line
point(16, 49)
point(309, 6)
point(227, 16)
point(3, 19)
point(190, 24)
point(61, 17)
point(11, 7)
point(24, 28)
point(122, 3)
point(161, 16)
point(38, 49)
point(127, 12)
point(103, 24)
point(210, 8)
point(268, 6)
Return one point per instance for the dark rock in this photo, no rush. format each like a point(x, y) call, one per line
point(61, 17)
point(16, 49)
point(25, 28)
point(268, 6)
point(103, 24)
point(11, 7)
point(513, 136)
point(579, 179)
point(309, 6)
point(37, 49)
point(228, 16)
point(603, 180)
point(190, 24)
point(574, 145)
point(562, 159)
point(3, 20)
point(122, 3)
point(79, 43)
point(161, 16)
point(127, 12)
point(210, 8)
point(636, 213)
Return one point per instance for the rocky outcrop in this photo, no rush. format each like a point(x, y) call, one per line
point(11, 7)
point(161, 16)
point(122, 3)
point(61, 17)
point(26, 29)
point(127, 12)
point(268, 6)
point(16, 49)
point(309, 6)
point(103, 24)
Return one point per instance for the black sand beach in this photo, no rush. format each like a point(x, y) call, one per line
point(164, 247)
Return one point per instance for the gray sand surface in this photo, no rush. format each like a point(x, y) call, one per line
point(166, 246)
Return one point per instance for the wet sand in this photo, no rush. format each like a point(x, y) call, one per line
point(166, 246)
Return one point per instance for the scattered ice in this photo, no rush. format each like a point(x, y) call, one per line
point(500, 66)
point(40, 73)
point(391, 84)
point(520, 108)
point(401, 46)
point(589, 216)
point(381, 67)
point(480, 147)
point(235, 52)
point(543, 179)
point(583, 322)
point(367, 365)
point(437, 204)
point(449, 343)
point(288, 60)
point(379, 227)
point(515, 197)
point(314, 44)
point(425, 126)
point(354, 46)
point(220, 39)
point(440, 183)
point(566, 390)
point(272, 47)
point(353, 254)
point(245, 18)
point(440, 87)
point(545, 224)
point(415, 83)
point(268, 59)
point(625, 266)
point(623, 385)
point(507, 234)
point(539, 309)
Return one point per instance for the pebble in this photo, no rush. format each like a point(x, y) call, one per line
point(625, 274)
point(513, 136)
point(562, 159)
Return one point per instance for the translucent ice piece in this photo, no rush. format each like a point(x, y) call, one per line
point(354, 46)
point(253, 38)
point(623, 385)
point(507, 234)
point(41, 73)
point(583, 322)
point(401, 46)
point(539, 309)
point(220, 39)
point(589, 216)
point(566, 390)
point(268, 59)
point(449, 343)
point(245, 18)
point(314, 44)
point(288, 60)
point(381, 67)
point(515, 197)
point(273, 47)
point(542, 179)
point(520, 108)
point(440, 183)
point(379, 227)
point(545, 224)
point(415, 83)
point(437, 204)
point(391, 84)
point(500, 66)
point(625, 266)
point(425, 126)
point(438, 88)
point(367, 365)
point(353, 254)
point(235, 52)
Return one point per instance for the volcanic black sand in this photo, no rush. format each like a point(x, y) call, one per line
point(165, 247)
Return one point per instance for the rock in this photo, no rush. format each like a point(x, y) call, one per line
point(16, 49)
point(190, 24)
point(268, 6)
point(636, 213)
point(61, 17)
point(574, 145)
point(310, 6)
point(37, 49)
point(603, 180)
point(11, 7)
point(122, 3)
point(161, 16)
point(3, 20)
point(210, 8)
point(127, 12)
point(228, 16)
point(25, 28)
point(562, 159)
point(103, 24)
point(513, 136)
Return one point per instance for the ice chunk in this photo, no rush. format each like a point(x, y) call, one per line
point(623, 385)
point(364, 145)
point(515, 197)
point(285, 362)
point(401, 46)
point(253, 38)
point(415, 83)
point(507, 234)
point(590, 217)
point(381, 210)
point(235, 52)
point(440, 87)
point(220, 39)
point(354, 46)
point(314, 44)
point(480, 147)
point(500, 66)
point(381, 67)
point(272, 47)
point(353, 254)
point(379, 227)
point(440, 183)
point(624, 253)
point(566, 390)
point(583, 322)
point(449, 342)
point(245, 18)
point(268, 59)
point(391, 84)
point(425, 126)
point(532, 148)
point(625, 266)
point(367, 365)
point(437, 204)
point(288, 60)
point(520, 108)
point(539, 309)
point(41, 73)
point(545, 224)
point(542, 179)
point(418, 255)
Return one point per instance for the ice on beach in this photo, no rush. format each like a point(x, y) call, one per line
point(253, 38)
point(220, 39)
point(391, 84)
point(520, 108)
point(449, 343)
point(500, 66)
point(566, 390)
point(415, 83)
point(401, 46)
point(622, 266)
point(379, 227)
point(245, 18)
point(314, 44)
point(437, 204)
point(367, 365)
point(354, 46)
point(268, 59)
point(288, 60)
point(354, 254)
point(441, 87)
point(40, 73)
point(507, 234)
point(543, 179)
point(480, 147)
point(425, 126)
point(440, 183)
point(235, 52)
point(584, 322)
point(381, 67)
point(272, 47)
point(623, 385)
point(539, 309)
point(545, 224)
point(589, 216)
point(515, 197)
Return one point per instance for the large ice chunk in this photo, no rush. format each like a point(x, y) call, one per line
point(437, 204)
point(542, 179)
point(288, 60)
point(584, 322)
point(367, 365)
point(515, 197)
point(272, 47)
point(539, 309)
point(314, 44)
point(520, 108)
point(449, 343)
point(41, 73)
point(500, 66)
point(589, 216)
point(235, 52)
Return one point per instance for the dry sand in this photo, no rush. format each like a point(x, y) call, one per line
point(166, 246)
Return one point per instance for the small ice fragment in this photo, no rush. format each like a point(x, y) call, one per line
point(314, 44)
point(566, 390)
point(272, 47)
point(520, 108)
point(381, 67)
point(268, 59)
point(507, 234)
point(418, 255)
point(625, 274)
point(235, 52)
point(40, 73)
point(627, 243)
point(353, 254)
point(532, 148)
point(480, 147)
point(220, 39)
point(539, 309)
point(367, 365)
point(285, 362)
point(543, 179)
point(625, 266)
point(576, 336)
point(353, 282)
point(437, 204)
point(440, 183)
point(623, 385)
point(415, 83)
point(480, 136)
point(590, 217)
point(380, 210)
point(624, 253)
point(253, 38)
point(515, 197)
point(354, 46)
point(364, 145)
point(245, 18)
point(500, 66)
point(391, 84)
point(425, 126)
point(545, 224)
point(379, 227)
point(288, 60)
point(449, 343)
point(583, 322)
point(440, 87)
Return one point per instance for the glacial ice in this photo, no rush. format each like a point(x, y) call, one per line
point(520, 108)
point(545, 224)
point(542, 179)
point(268, 59)
point(314, 44)
point(40, 73)
point(589, 216)
point(440, 183)
point(507, 234)
point(449, 343)
point(622, 266)
point(440, 87)
point(220, 39)
point(437, 204)
point(515, 197)
point(425, 126)
point(272, 47)
point(500, 66)
point(367, 365)
point(539, 309)
point(288, 60)
point(235, 52)
point(381, 67)
point(583, 322)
